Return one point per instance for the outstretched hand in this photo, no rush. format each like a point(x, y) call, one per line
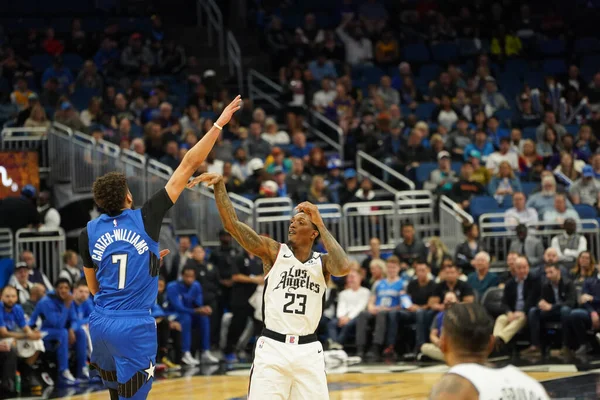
point(210, 178)
point(164, 253)
point(312, 211)
point(228, 112)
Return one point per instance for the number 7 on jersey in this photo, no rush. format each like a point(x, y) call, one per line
point(121, 259)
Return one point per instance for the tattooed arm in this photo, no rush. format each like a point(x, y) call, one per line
point(260, 246)
point(335, 261)
point(453, 387)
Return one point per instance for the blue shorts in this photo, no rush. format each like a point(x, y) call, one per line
point(124, 350)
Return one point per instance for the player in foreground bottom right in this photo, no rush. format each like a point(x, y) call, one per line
point(466, 342)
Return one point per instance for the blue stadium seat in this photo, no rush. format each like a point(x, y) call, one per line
point(587, 45)
point(456, 166)
point(40, 62)
point(554, 66)
point(424, 170)
point(424, 111)
point(74, 62)
point(516, 67)
point(444, 52)
point(504, 116)
point(372, 75)
point(529, 133)
point(406, 111)
point(418, 53)
point(529, 187)
point(535, 79)
point(81, 97)
point(552, 47)
point(572, 129)
point(6, 270)
point(482, 205)
point(586, 211)
point(429, 72)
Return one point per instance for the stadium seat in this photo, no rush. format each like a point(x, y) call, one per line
point(81, 97)
point(424, 111)
point(444, 52)
point(6, 270)
point(586, 211)
point(372, 75)
point(554, 66)
point(429, 72)
point(529, 133)
point(572, 129)
point(40, 62)
point(74, 62)
point(587, 45)
point(528, 187)
point(424, 170)
point(483, 205)
point(504, 116)
point(552, 47)
point(516, 67)
point(417, 53)
point(456, 166)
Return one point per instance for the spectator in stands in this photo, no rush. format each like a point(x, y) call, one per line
point(365, 193)
point(89, 78)
point(20, 281)
point(436, 253)
point(298, 181)
point(568, 168)
point(36, 293)
point(317, 163)
point(278, 41)
point(35, 274)
point(359, 49)
point(482, 279)
point(504, 183)
point(443, 87)
point(82, 303)
point(60, 323)
point(171, 157)
point(481, 145)
point(432, 350)
point(322, 67)
point(186, 300)
point(135, 55)
point(560, 213)
point(504, 154)
point(49, 216)
point(273, 135)
point(107, 56)
point(528, 156)
point(377, 271)
point(179, 259)
point(584, 267)
point(93, 114)
point(550, 144)
point(51, 45)
point(154, 140)
point(20, 96)
point(70, 271)
point(387, 92)
point(442, 178)
point(593, 90)
point(138, 146)
point(466, 251)
point(584, 318)
point(223, 258)
point(67, 115)
point(569, 244)
point(413, 153)
point(527, 116)
point(520, 213)
point(171, 58)
point(491, 97)
point(387, 50)
point(65, 80)
point(374, 253)
point(318, 192)
point(460, 138)
point(384, 300)
point(324, 97)
point(300, 148)
point(528, 246)
point(191, 121)
point(466, 187)
point(410, 248)
point(586, 143)
point(166, 329)
point(19, 212)
point(50, 95)
point(445, 114)
point(558, 298)
point(544, 200)
point(169, 124)
point(520, 295)
point(351, 302)
point(549, 122)
point(586, 190)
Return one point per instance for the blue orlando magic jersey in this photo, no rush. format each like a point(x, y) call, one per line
point(388, 293)
point(127, 261)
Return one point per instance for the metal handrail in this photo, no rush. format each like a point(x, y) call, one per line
point(8, 132)
point(254, 91)
point(234, 59)
point(449, 205)
point(339, 145)
point(360, 155)
point(214, 22)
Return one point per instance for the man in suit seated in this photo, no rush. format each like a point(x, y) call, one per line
point(558, 298)
point(520, 294)
point(528, 246)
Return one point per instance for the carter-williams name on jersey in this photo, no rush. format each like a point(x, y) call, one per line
point(297, 278)
point(124, 235)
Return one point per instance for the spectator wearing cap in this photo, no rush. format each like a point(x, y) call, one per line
point(20, 96)
point(480, 144)
point(20, 280)
point(569, 244)
point(19, 212)
point(277, 159)
point(520, 213)
point(560, 212)
point(503, 154)
point(586, 190)
point(492, 97)
point(67, 115)
point(350, 187)
point(549, 122)
point(253, 182)
point(65, 79)
point(273, 135)
point(136, 54)
point(527, 116)
point(300, 148)
point(279, 178)
point(466, 187)
point(443, 177)
point(504, 183)
point(324, 97)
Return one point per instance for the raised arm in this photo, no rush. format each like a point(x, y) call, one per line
point(335, 261)
point(197, 154)
point(252, 242)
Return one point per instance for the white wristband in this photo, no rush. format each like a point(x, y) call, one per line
point(217, 126)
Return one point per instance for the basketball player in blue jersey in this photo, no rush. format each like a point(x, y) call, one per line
point(121, 258)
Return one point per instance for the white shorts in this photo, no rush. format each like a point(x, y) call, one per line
point(283, 371)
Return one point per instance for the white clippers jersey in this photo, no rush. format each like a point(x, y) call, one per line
point(501, 383)
point(294, 294)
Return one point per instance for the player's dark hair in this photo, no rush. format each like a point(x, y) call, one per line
point(468, 326)
point(79, 283)
point(60, 281)
point(8, 287)
point(110, 192)
point(188, 268)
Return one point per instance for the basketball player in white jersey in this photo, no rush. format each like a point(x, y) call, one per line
point(288, 361)
point(466, 342)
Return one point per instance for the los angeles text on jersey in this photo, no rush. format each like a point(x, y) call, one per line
point(125, 235)
point(518, 394)
point(297, 278)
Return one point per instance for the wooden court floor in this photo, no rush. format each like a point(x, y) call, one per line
point(403, 386)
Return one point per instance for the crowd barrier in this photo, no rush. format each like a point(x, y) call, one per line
point(452, 220)
point(366, 220)
point(47, 246)
point(28, 139)
point(7, 246)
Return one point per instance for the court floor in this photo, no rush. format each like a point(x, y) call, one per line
point(370, 382)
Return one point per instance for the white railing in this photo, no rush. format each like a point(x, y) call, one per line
point(214, 25)
point(363, 158)
point(256, 93)
point(234, 60)
point(336, 137)
point(418, 206)
point(48, 246)
point(452, 218)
